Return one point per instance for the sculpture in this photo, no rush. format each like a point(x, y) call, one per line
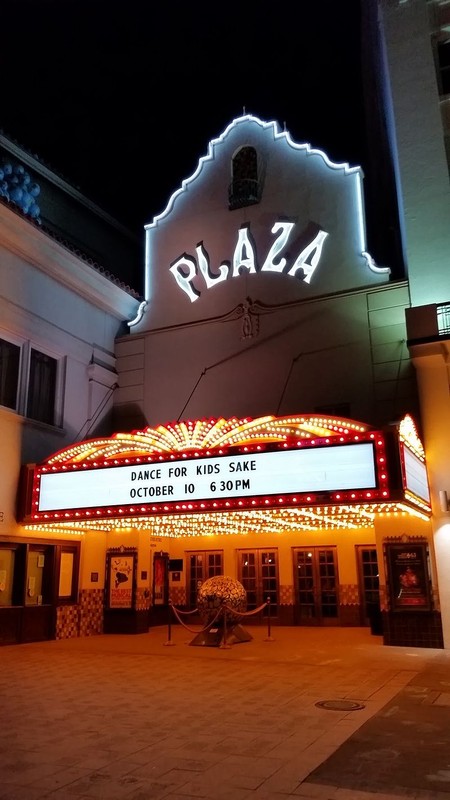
point(220, 602)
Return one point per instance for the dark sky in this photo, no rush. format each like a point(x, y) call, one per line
point(122, 98)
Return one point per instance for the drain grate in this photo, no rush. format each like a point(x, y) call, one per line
point(340, 705)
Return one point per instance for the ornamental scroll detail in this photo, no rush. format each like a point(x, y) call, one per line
point(250, 319)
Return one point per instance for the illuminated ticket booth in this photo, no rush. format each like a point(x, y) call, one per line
point(319, 515)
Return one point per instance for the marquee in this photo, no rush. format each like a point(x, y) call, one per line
point(313, 469)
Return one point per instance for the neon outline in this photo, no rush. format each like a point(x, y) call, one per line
point(277, 134)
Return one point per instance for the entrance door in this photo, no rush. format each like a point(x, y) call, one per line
point(201, 566)
point(38, 618)
point(258, 573)
point(158, 612)
point(369, 585)
point(316, 586)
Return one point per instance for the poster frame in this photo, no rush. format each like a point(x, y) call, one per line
point(404, 559)
point(121, 562)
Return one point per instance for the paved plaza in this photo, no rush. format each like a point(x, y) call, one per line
point(149, 716)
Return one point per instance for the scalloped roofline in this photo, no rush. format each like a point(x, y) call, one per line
point(278, 133)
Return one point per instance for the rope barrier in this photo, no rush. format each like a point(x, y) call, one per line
point(186, 613)
point(196, 630)
point(245, 613)
point(222, 610)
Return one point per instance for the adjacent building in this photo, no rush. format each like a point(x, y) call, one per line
point(61, 309)
point(414, 40)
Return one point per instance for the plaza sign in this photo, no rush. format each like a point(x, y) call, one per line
point(186, 268)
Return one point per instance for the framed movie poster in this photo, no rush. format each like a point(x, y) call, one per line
point(160, 579)
point(121, 577)
point(409, 582)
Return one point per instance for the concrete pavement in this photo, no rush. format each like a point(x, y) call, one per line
point(149, 716)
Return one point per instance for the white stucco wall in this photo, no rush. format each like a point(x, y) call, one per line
point(422, 161)
point(298, 185)
point(262, 341)
point(54, 302)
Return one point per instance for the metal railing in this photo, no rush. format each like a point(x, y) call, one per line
point(443, 318)
point(243, 192)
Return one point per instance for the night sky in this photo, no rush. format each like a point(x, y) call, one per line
point(122, 98)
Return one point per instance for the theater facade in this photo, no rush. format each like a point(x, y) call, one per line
point(321, 518)
point(266, 418)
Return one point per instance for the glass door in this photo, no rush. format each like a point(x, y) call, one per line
point(369, 582)
point(258, 573)
point(39, 603)
point(316, 586)
point(201, 566)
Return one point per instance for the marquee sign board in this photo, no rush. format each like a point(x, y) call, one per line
point(242, 479)
point(414, 474)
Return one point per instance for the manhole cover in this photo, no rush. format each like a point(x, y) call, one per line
point(340, 705)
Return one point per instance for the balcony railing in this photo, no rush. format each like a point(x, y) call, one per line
point(244, 192)
point(443, 318)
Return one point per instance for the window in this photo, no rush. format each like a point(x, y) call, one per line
point(369, 579)
point(444, 66)
point(258, 573)
point(41, 387)
point(69, 562)
point(244, 189)
point(29, 381)
point(201, 566)
point(443, 319)
point(316, 585)
point(7, 562)
point(9, 373)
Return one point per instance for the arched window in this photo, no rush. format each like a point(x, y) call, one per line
point(244, 189)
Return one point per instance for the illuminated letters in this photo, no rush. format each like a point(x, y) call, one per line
point(203, 263)
point(184, 281)
point(269, 264)
point(185, 269)
point(244, 254)
point(301, 263)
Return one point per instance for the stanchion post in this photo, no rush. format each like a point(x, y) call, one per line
point(268, 637)
point(223, 644)
point(169, 625)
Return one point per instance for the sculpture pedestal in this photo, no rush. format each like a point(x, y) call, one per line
point(214, 636)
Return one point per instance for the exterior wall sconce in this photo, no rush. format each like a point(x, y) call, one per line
point(443, 501)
